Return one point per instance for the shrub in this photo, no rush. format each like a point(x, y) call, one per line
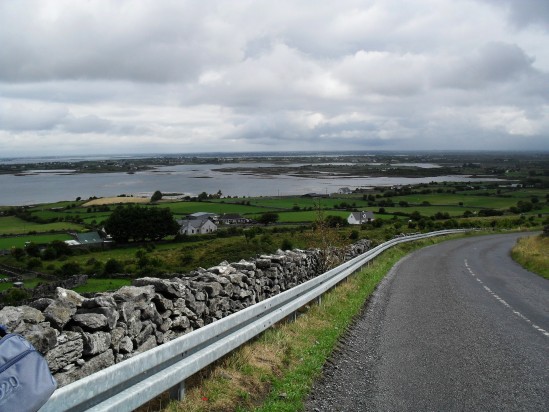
point(113, 266)
point(14, 296)
point(34, 263)
point(286, 244)
point(68, 269)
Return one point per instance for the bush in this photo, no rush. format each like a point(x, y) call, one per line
point(286, 244)
point(69, 269)
point(14, 296)
point(34, 263)
point(49, 253)
point(113, 266)
point(156, 196)
point(18, 253)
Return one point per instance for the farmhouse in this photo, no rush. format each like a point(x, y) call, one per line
point(232, 219)
point(89, 238)
point(358, 218)
point(196, 226)
point(344, 191)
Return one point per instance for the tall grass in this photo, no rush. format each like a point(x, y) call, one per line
point(533, 254)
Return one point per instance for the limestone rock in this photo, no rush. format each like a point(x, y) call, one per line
point(91, 321)
point(148, 344)
point(174, 288)
point(134, 294)
point(106, 300)
point(41, 304)
point(69, 348)
point(41, 336)
point(93, 365)
point(12, 316)
point(69, 296)
point(126, 345)
point(109, 313)
point(95, 343)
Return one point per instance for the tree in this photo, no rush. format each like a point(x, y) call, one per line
point(140, 223)
point(18, 253)
point(32, 249)
point(336, 221)
point(61, 248)
point(68, 269)
point(113, 266)
point(327, 239)
point(268, 217)
point(156, 196)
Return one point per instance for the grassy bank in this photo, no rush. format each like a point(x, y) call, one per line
point(533, 254)
point(275, 372)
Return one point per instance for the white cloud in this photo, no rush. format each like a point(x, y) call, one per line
point(142, 75)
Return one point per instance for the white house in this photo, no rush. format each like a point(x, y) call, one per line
point(232, 219)
point(196, 226)
point(358, 218)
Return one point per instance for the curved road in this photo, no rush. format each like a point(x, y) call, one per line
point(455, 326)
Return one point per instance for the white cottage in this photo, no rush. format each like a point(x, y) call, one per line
point(358, 218)
point(196, 226)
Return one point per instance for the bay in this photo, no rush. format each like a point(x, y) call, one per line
point(188, 179)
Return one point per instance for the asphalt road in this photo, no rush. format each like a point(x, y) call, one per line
point(458, 326)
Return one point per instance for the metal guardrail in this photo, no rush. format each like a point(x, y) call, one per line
point(127, 385)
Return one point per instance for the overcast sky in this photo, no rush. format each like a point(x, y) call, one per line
point(94, 77)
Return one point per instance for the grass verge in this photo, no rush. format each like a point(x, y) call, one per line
point(533, 254)
point(276, 371)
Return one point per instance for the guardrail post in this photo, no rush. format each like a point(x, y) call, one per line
point(177, 392)
point(319, 300)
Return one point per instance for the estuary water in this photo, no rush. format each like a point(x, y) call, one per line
point(188, 179)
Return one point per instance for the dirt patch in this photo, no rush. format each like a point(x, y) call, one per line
point(116, 200)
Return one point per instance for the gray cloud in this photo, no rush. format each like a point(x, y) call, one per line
point(138, 75)
point(491, 63)
point(525, 12)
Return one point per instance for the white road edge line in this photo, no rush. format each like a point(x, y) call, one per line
point(504, 303)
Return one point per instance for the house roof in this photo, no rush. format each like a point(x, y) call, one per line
point(200, 215)
point(363, 215)
point(230, 216)
point(193, 223)
point(88, 238)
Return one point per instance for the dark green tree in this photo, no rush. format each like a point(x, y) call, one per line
point(156, 196)
point(113, 266)
point(18, 253)
point(268, 217)
point(137, 223)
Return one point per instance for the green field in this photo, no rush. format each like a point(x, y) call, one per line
point(295, 217)
point(301, 202)
point(455, 199)
point(29, 284)
point(61, 204)
point(95, 285)
point(19, 241)
point(11, 225)
point(184, 208)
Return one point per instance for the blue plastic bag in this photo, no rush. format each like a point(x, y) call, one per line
point(25, 379)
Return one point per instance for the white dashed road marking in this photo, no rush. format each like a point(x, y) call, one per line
point(504, 303)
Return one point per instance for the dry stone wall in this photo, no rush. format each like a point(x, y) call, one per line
point(79, 336)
